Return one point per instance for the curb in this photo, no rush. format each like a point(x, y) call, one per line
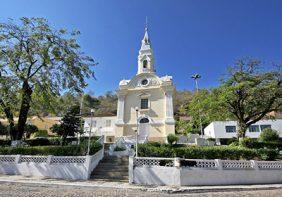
point(119, 185)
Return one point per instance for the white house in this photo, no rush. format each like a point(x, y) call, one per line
point(227, 129)
point(101, 126)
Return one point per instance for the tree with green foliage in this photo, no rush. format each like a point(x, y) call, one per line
point(203, 104)
point(37, 62)
point(172, 139)
point(268, 135)
point(71, 124)
point(29, 129)
point(3, 129)
point(108, 104)
point(247, 95)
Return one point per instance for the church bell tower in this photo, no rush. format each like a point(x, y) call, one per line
point(146, 57)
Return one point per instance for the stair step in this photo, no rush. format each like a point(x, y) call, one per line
point(109, 177)
point(110, 173)
point(111, 170)
point(110, 180)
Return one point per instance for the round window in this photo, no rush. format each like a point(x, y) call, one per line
point(144, 82)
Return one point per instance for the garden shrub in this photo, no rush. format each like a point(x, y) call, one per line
point(5, 142)
point(269, 135)
point(206, 152)
point(247, 142)
point(38, 142)
point(72, 150)
point(231, 140)
point(29, 129)
point(117, 148)
point(233, 144)
point(40, 133)
point(54, 140)
point(172, 138)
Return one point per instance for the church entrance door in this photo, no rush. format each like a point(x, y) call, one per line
point(144, 127)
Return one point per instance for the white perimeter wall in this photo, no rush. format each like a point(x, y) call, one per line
point(216, 129)
point(160, 175)
point(71, 167)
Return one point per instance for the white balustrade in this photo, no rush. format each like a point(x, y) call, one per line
point(65, 167)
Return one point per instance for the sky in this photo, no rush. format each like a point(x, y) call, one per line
point(188, 36)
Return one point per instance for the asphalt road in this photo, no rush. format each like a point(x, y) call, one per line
point(28, 189)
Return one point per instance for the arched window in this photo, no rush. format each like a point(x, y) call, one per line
point(145, 63)
point(144, 120)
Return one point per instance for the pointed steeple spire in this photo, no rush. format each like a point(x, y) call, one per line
point(146, 43)
point(146, 57)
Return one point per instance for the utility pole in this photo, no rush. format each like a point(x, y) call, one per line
point(137, 110)
point(80, 113)
point(196, 77)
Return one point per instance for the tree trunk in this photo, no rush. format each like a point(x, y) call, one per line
point(10, 118)
point(25, 106)
point(242, 128)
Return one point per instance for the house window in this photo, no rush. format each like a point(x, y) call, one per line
point(145, 63)
point(230, 129)
point(262, 127)
point(108, 123)
point(144, 104)
point(254, 128)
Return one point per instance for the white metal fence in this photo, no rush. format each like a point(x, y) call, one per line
point(202, 163)
point(65, 167)
point(176, 171)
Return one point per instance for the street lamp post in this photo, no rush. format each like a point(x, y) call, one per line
point(196, 77)
point(137, 110)
point(89, 137)
point(80, 113)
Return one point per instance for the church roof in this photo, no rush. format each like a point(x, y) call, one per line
point(146, 43)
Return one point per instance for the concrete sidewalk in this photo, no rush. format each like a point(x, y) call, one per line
point(122, 185)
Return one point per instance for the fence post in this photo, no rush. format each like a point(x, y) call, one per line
point(17, 158)
point(131, 169)
point(176, 162)
point(254, 164)
point(219, 164)
point(49, 159)
point(87, 165)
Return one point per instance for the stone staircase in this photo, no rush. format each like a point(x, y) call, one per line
point(111, 169)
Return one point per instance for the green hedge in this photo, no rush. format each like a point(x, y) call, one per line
point(215, 152)
point(253, 143)
point(5, 143)
point(52, 141)
point(71, 150)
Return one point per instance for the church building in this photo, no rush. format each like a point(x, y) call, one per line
point(146, 100)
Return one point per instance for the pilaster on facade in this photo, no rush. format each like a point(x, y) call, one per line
point(120, 108)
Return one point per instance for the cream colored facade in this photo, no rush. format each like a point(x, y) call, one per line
point(155, 114)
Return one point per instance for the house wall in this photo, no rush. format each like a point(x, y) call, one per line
point(216, 129)
point(100, 127)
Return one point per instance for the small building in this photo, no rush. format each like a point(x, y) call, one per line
point(227, 129)
point(101, 126)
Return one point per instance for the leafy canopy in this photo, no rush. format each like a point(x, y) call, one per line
point(37, 63)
